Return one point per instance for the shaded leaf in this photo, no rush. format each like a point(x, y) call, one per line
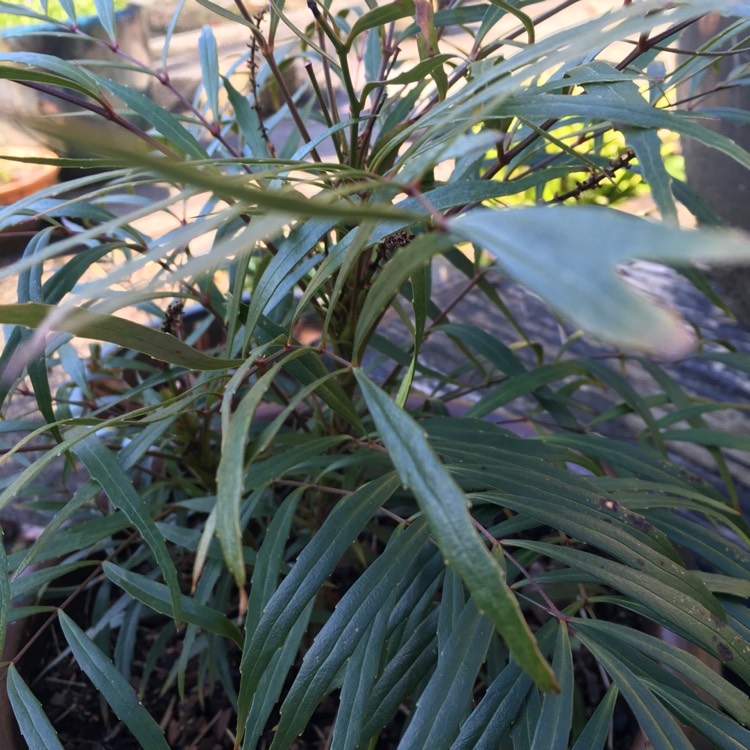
point(113, 686)
point(446, 508)
point(156, 595)
point(32, 721)
point(104, 468)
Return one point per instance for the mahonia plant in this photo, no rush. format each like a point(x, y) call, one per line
point(320, 476)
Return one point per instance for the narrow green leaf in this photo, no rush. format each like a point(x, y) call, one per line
point(5, 595)
point(556, 718)
point(301, 241)
point(225, 13)
point(721, 584)
point(525, 383)
point(247, 120)
point(313, 566)
point(506, 361)
point(35, 581)
point(209, 59)
point(410, 665)
point(721, 731)
point(105, 11)
point(68, 6)
point(379, 16)
point(156, 596)
point(230, 476)
point(709, 437)
point(598, 106)
point(263, 584)
point(596, 732)
point(361, 671)
point(104, 468)
point(95, 533)
point(32, 721)
point(616, 533)
point(700, 674)
point(446, 508)
point(345, 628)
point(528, 24)
point(499, 709)
point(162, 120)
point(30, 75)
point(16, 9)
point(417, 73)
point(659, 726)
point(270, 560)
point(274, 679)
point(408, 261)
point(557, 252)
point(62, 68)
point(602, 79)
point(420, 281)
point(125, 333)
point(308, 368)
point(113, 686)
point(681, 612)
point(446, 700)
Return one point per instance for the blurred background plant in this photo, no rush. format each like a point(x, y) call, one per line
point(319, 482)
point(52, 9)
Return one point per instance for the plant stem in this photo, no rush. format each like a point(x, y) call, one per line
point(279, 78)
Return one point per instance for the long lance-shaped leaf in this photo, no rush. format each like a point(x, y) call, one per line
point(105, 10)
point(556, 718)
point(443, 704)
point(659, 726)
point(156, 596)
point(119, 331)
point(500, 706)
point(58, 67)
point(604, 107)
point(313, 566)
point(379, 16)
point(719, 729)
point(231, 473)
point(644, 141)
point(401, 676)
point(446, 508)
point(286, 201)
point(361, 671)
point(5, 595)
point(344, 630)
point(596, 732)
point(32, 721)
point(104, 468)
point(680, 661)
point(682, 613)
point(263, 584)
point(114, 688)
point(562, 255)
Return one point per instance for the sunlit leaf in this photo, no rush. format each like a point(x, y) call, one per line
point(563, 254)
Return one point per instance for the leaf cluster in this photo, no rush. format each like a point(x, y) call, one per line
point(262, 466)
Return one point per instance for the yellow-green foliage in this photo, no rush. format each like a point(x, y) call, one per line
point(601, 149)
point(52, 9)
